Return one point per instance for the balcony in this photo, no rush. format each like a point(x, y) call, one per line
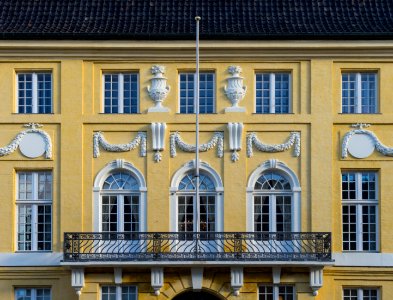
point(196, 246)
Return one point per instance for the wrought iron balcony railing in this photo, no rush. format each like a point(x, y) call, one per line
point(196, 246)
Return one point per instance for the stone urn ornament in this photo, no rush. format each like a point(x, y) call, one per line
point(158, 90)
point(235, 91)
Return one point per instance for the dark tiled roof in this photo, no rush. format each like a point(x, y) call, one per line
point(174, 19)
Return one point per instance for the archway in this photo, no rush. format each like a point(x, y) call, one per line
point(190, 295)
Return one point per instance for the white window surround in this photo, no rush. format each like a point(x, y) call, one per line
point(120, 90)
point(282, 169)
point(219, 189)
point(112, 167)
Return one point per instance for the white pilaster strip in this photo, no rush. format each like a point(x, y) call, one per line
point(197, 278)
point(118, 274)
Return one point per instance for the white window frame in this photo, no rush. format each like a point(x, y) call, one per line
point(281, 168)
point(119, 165)
point(272, 92)
point(33, 291)
point(359, 214)
point(358, 92)
point(195, 91)
point(34, 100)
point(118, 290)
point(218, 193)
point(120, 89)
point(34, 203)
point(272, 207)
point(360, 291)
point(276, 292)
point(120, 206)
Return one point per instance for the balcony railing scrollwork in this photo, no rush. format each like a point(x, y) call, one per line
point(196, 246)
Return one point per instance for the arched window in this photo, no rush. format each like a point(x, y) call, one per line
point(119, 197)
point(186, 214)
point(273, 199)
point(120, 203)
point(272, 203)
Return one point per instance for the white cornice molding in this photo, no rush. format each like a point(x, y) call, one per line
point(293, 140)
point(14, 144)
point(99, 140)
point(381, 148)
point(216, 141)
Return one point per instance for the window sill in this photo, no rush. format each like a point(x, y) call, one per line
point(14, 113)
point(273, 113)
point(359, 114)
point(138, 113)
point(33, 251)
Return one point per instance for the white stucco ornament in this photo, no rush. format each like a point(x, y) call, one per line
point(158, 139)
point(235, 139)
point(32, 145)
point(32, 142)
point(235, 91)
point(216, 141)
point(360, 143)
point(99, 140)
point(293, 141)
point(158, 90)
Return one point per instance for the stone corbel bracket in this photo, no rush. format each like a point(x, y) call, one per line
point(381, 148)
point(33, 128)
point(235, 139)
point(158, 139)
point(237, 279)
point(157, 279)
point(99, 140)
point(293, 141)
point(78, 280)
point(216, 141)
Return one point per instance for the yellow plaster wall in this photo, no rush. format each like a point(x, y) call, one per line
point(77, 89)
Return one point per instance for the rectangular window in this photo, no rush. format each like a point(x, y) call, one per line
point(121, 93)
point(360, 294)
point(359, 93)
point(272, 93)
point(276, 292)
point(34, 211)
point(359, 211)
point(188, 90)
point(34, 93)
point(33, 294)
point(117, 292)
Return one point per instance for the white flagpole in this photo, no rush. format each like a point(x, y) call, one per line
point(196, 107)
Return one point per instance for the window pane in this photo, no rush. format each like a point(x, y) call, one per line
point(262, 100)
point(350, 294)
point(111, 93)
point(281, 93)
point(25, 227)
point(128, 293)
point(109, 214)
point(25, 93)
point(368, 100)
point(44, 93)
point(130, 93)
point(108, 293)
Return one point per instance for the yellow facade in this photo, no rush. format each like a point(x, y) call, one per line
point(315, 69)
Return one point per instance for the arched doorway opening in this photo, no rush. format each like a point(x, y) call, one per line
point(201, 295)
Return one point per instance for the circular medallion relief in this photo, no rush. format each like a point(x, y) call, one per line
point(32, 145)
point(361, 145)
